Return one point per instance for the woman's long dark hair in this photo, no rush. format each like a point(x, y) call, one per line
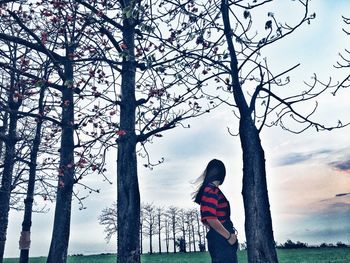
point(215, 171)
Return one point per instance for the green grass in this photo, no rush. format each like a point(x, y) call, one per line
point(309, 255)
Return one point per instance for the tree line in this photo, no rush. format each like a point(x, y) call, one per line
point(78, 78)
point(179, 229)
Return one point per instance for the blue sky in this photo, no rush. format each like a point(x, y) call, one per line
point(305, 172)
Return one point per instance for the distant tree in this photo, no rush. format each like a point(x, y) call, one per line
point(197, 226)
point(167, 232)
point(149, 223)
point(160, 226)
point(290, 244)
point(108, 219)
point(172, 215)
point(201, 247)
point(181, 244)
point(182, 224)
point(341, 244)
point(323, 245)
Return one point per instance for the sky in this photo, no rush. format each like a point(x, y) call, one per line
point(308, 174)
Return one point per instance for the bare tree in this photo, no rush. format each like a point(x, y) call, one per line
point(172, 215)
point(167, 232)
point(160, 226)
point(182, 224)
point(108, 219)
point(150, 223)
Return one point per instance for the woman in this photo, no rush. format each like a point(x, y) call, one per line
point(215, 214)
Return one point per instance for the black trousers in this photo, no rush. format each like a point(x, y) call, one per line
point(220, 250)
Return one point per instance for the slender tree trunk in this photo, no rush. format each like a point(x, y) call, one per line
point(189, 237)
point(198, 229)
point(9, 160)
point(174, 233)
point(28, 202)
point(167, 236)
point(184, 236)
point(150, 242)
point(258, 224)
point(61, 228)
point(204, 235)
point(159, 236)
point(127, 181)
point(194, 238)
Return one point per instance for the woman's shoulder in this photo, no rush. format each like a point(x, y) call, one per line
point(211, 188)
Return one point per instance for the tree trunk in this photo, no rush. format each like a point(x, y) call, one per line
point(61, 228)
point(28, 202)
point(194, 238)
point(174, 233)
point(3, 130)
point(159, 236)
point(141, 247)
point(150, 242)
point(127, 181)
point(9, 159)
point(198, 228)
point(167, 236)
point(189, 237)
point(204, 235)
point(258, 224)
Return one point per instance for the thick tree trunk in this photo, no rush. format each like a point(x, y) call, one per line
point(258, 224)
point(61, 228)
point(5, 190)
point(28, 202)
point(127, 181)
point(6, 180)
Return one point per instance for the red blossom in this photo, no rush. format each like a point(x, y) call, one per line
point(123, 46)
point(121, 133)
point(61, 184)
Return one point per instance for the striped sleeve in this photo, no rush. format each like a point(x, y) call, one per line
point(209, 203)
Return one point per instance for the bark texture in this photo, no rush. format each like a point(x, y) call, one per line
point(128, 206)
point(258, 223)
point(61, 228)
point(28, 202)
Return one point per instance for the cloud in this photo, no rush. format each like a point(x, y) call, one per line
point(341, 166)
point(296, 158)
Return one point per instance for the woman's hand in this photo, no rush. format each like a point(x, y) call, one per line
point(232, 239)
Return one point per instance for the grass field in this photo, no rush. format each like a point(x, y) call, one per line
point(308, 255)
